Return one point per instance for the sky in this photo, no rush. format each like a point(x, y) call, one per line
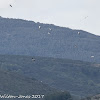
point(74, 14)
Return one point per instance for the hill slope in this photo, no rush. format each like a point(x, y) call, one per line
point(20, 37)
point(96, 97)
point(80, 78)
point(15, 84)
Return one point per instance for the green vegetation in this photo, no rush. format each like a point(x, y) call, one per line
point(16, 84)
point(77, 77)
point(59, 96)
point(96, 97)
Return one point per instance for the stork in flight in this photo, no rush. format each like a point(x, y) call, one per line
point(78, 32)
point(48, 32)
point(92, 56)
point(10, 5)
point(39, 27)
point(33, 59)
point(50, 29)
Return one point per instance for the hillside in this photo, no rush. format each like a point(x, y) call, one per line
point(14, 84)
point(96, 97)
point(20, 37)
point(78, 77)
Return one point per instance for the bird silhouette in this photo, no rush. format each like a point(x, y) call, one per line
point(10, 5)
point(33, 59)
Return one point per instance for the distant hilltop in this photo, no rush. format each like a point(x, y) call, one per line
point(21, 37)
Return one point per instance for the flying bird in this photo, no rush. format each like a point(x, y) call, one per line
point(75, 46)
point(86, 17)
point(10, 5)
point(92, 56)
point(50, 29)
point(48, 32)
point(78, 32)
point(33, 59)
point(39, 27)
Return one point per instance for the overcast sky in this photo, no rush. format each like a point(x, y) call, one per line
point(75, 14)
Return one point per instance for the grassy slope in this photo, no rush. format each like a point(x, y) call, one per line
point(95, 97)
point(15, 84)
point(80, 78)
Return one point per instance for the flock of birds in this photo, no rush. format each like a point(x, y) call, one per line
point(50, 33)
point(49, 29)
